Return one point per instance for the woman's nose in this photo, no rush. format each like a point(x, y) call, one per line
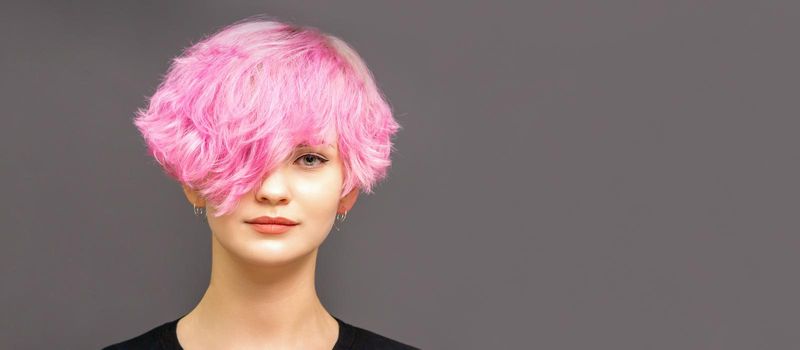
point(274, 189)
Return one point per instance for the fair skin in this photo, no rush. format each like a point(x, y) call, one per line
point(262, 293)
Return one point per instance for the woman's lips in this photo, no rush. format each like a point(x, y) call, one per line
point(279, 220)
point(271, 225)
point(271, 228)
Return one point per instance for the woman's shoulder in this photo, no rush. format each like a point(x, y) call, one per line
point(352, 337)
point(160, 337)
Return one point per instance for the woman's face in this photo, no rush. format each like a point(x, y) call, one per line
point(305, 189)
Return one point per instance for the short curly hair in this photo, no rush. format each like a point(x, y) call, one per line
point(234, 106)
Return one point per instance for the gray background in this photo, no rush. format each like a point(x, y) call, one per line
point(571, 174)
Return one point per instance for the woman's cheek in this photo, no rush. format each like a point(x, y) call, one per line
point(317, 193)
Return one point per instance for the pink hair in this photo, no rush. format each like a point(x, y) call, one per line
point(233, 106)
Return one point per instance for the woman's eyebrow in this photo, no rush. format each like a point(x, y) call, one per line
point(304, 145)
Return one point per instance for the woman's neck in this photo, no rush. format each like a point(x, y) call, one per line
point(260, 307)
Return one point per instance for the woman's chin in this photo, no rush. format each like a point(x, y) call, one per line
point(271, 253)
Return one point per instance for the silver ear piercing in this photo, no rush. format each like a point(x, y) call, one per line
point(199, 211)
point(340, 218)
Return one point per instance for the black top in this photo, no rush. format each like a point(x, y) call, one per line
point(164, 337)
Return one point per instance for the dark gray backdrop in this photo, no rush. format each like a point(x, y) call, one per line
point(571, 174)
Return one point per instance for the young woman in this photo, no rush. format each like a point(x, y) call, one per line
point(272, 130)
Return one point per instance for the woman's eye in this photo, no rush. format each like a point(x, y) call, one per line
point(308, 160)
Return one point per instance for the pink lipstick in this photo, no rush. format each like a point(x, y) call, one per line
point(271, 225)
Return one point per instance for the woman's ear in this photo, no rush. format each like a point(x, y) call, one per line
point(347, 202)
point(194, 198)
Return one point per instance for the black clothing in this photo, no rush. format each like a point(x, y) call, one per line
point(164, 337)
